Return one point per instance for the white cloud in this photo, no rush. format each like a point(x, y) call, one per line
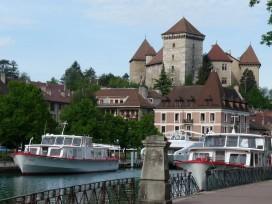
point(6, 41)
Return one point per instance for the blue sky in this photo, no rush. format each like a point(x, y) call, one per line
point(45, 36)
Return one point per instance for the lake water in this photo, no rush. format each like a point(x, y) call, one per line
point(14, 184)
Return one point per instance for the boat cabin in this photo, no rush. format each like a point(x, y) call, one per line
point(67, 146)
point(237, 149)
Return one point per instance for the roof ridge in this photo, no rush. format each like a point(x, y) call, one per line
point(249, 57)
point(144, 50)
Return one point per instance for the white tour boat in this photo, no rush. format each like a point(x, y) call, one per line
point(64, 154)
point(226, 150)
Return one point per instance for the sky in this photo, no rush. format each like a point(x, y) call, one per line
point(45, 37)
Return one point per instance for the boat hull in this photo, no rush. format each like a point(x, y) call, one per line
point(35, 164)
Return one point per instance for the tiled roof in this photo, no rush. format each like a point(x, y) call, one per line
point(132, 95)
point(154, 94)
point(210, 95)
point(217, 54)
point(54, 92)
point(144, 50)
point(183, 26)
point(249, 57)
point(156, 59)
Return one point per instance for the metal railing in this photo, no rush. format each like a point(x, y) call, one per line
point(222, 178)
point(182, 185)
point(120, 191)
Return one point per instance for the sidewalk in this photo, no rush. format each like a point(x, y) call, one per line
point(257, 193)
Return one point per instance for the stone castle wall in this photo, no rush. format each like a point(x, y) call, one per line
point(152, 72)
point(137, 71)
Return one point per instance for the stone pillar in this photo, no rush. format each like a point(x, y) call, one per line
point(154, 186)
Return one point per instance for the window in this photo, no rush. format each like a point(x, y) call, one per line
point(232, 141)
point(163, 129)
point(173, 57)
point(189, 116)
point(176, 117)
point(173, 69)
point(202, 117)
point(59, 141)
point(177, 128)
point(77, 141)
point(212, 116)
point(224, 80)
point(67, 141)
point(52, 106)
point(55, 152)
point(163, 116)
point(215, 141)
point(225, 117)
point(224, 67)
point(121, 101)
point(116, 101)
point(173, 45)
point(238, 158)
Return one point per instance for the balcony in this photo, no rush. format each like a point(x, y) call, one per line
point(188, 121)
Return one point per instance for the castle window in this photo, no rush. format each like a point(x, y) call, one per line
point(224, 80)
point(173, 57)
point(202, 117)
point(163, 117)
point(173, 45)
point(224, 67)
point(173, 69)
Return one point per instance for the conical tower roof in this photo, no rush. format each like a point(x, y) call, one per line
point(249, 57)
point(217, 54)
point(183, 26)
point(212, 92)
point(144, 50)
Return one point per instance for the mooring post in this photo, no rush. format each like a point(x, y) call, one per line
point(154, 183)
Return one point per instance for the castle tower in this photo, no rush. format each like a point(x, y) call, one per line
point(221, 63)
point(143, 55)
point(250, 61)
point(182, 51)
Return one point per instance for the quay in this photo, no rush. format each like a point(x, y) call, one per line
point(245, 194)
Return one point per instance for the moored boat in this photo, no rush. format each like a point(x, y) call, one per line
point(64, 154)
point(227, 150)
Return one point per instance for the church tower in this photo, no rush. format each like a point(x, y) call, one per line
point(137, 67)
point(182, 51)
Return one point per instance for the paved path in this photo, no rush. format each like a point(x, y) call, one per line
point(257, 193)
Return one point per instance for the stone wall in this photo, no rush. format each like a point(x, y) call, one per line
point(137, 71)
point(152, 73)
point(223, 73)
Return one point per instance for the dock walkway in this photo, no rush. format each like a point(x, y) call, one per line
point(260, 193)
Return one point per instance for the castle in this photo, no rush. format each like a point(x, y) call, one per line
point(182, 56)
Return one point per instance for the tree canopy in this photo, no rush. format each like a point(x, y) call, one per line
point(10, 68)
point(24, 114)
point(204, 71)
point(247, 82)
point(267, 37)
point(164, 83)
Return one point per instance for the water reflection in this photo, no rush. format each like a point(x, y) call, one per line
point(15, 184)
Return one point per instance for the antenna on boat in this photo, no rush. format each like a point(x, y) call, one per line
point(233, 125)
point(45, 127)
point(64, 125)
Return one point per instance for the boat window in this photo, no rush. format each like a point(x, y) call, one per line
point(232, 141)
point(55, 152)
point(33, 150)
point(48, 140)
point(68, 141)
point(89, 141)
point(247, 142)
point(259, 143)
point(215, 141)
point(59, 140)
point(77, 141)
point(237, 158)
point(201, 156)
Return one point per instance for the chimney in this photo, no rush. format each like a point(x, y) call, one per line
point(143, 91)
point(3, 77)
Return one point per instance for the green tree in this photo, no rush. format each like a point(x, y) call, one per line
point(266, 38)
point(10, 68)
point(164, 83)
point(53, 80)
point(24, 114)
point(89, 75)
point(73, 77)
point(24, 77)
point(204, 71)
point(247, 82)
point(256, 99)
point(189, 79)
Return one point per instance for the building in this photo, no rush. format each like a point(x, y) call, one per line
point(130, 103)
point(181, 56)
point(261, 122)
point(56, 95)
point(231, 69)
point(201, 108)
